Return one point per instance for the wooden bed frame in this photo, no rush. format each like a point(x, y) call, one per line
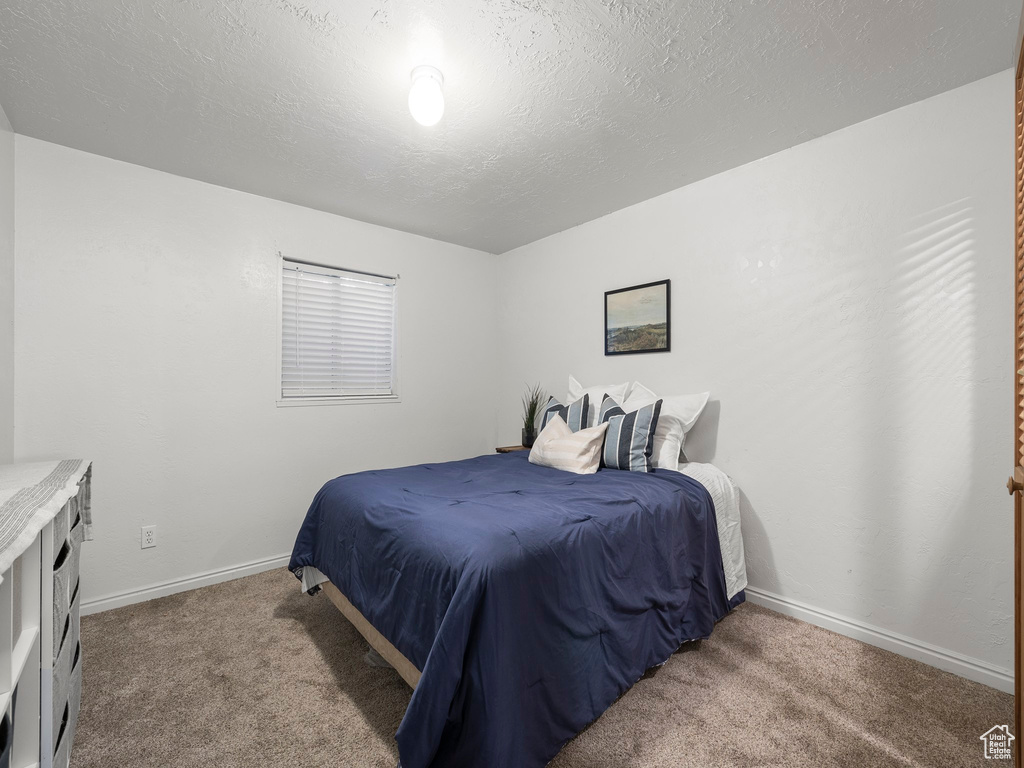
point(377, 641)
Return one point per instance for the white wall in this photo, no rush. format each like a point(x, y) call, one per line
point(849, 304)
point(6, 289)
point(147, 312)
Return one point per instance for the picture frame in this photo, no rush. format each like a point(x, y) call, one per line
point(638, 319)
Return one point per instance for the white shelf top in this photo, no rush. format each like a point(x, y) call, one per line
point(30, 496)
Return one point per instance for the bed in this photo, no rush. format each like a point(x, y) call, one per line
point(520, 601)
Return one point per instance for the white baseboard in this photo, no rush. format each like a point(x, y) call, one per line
point(951, 661)
point(163, 589)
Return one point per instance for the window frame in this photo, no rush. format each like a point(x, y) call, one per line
point(301, 402)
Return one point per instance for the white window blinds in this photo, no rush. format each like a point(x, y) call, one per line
point(337, 333)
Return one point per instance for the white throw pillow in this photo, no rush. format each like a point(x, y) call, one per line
point(678, 415)
point(619, 392)
point(559, 447)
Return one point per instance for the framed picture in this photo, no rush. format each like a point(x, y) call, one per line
point(638, 319)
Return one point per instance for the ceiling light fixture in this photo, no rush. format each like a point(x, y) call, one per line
point(426, 97)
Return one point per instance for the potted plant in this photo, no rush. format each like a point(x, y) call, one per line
point(533, 401)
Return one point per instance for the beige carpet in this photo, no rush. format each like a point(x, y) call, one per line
point(253, 674)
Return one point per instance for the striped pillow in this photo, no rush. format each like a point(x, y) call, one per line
point(574, 415)
point(629, 442)
point(609, 407)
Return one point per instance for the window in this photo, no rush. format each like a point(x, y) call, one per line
point(337, 334)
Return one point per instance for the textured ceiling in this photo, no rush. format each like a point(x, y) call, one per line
point(557, 112)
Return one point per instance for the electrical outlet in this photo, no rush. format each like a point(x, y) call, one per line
point(148, 536)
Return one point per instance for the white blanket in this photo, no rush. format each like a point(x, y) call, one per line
point(31, 495)
point(726, 496)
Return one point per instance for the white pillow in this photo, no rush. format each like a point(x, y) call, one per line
point(619, 392)
point(678, 415)
point(559, 447)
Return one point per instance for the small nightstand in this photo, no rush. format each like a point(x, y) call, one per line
point(511, 448)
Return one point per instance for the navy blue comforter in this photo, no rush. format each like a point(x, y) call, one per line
point(529, 598)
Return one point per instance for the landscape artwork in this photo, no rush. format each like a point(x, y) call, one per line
point(636, 319)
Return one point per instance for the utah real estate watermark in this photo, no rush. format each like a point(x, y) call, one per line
point(997, 741)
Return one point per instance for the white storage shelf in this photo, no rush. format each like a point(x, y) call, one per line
point(20, 657)
point(40, 653)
